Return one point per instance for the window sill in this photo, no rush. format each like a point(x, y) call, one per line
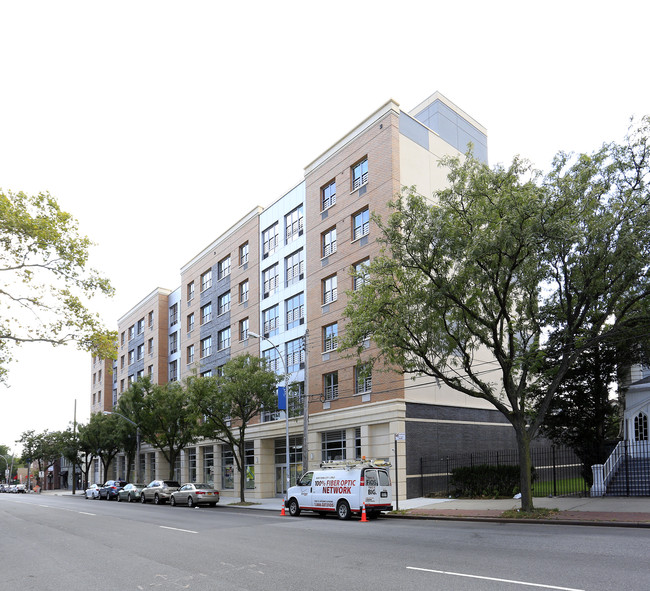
point(358, 188)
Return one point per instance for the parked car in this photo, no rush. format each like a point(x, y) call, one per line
point(131, 492)
point(111, 488)
point(92, 492)
point(20, 488)
point(159, 491)
point(195, 494)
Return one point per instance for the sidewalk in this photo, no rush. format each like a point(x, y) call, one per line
point(618, 511)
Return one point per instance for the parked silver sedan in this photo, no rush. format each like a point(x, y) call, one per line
point(158, 491)
point(195, 494)
point(131, 492)
point(92, 492)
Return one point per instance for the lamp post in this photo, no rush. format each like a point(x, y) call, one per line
point(137, 439)
point(286, 404)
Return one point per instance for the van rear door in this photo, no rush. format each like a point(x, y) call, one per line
point(377, 491)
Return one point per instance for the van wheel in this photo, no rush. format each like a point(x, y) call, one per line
point(142, 498)
point(343, 510)
point(294, 508)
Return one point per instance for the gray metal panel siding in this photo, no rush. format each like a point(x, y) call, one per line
point(413, 130)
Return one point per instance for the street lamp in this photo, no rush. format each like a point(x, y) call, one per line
point(137, 439)
point(286, 403)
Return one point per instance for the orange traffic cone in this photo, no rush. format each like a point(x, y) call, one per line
point(364, 519)
point(282, 513)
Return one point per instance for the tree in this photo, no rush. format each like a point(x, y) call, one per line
point(6, 463)
point(229, 402)
point(45, 448)
point(101, 437)
point(46, 280)
point(509, 266)
point(166, 418)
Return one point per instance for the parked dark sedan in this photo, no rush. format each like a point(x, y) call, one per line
point(110, 489)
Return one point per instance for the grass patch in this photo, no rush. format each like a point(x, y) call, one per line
point(534, 514)
point(244, 504)
point(565, 486)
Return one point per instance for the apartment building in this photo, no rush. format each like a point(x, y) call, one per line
point(275, 285)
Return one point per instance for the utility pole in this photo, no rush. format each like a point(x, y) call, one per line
point(74, 446)
point(305, 410)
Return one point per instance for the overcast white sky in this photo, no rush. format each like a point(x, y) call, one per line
point(129, 111)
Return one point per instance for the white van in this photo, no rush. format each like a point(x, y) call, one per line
point(343, 487)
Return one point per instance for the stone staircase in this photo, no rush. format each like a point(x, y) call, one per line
point(632, 478)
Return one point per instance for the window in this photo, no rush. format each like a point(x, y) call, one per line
point(329, 289)
point(294, 224)
point(206, 347)
point(223, 268)
point(140, 352)
point(328, 195)
point(330, 337)
point(243, 292)
point(227, 468)
point(206, 280)
point(360, 174)
point(190, 291)
point(131, 357)
point(331, 385)
point(273, 362)
point(295, 355)
point(140, 328)
point(173, 371)
point(190, 322)
point(328, 242)
point(294, 266)
point(295, 311)
point(190, 354)
point(360, 274)
point(333, 445)
point(223, 303)
point(270, 321)
point(270, 281)
point(206, 313)
point(223, 339)
point(173, 314)
point(150, 371)
point(150, 319)
point(269, 240)
point(243, 253)
point(361, 224)
point(243, 329)
point(122, 362)
point(641, 427)
point(173, 342)
point(122, 338)
point(131, 332)
point(150, 347)
point(362, 378)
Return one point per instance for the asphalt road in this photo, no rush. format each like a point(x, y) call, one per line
point(51, 542)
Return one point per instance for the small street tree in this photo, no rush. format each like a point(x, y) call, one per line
point(167, 419)
point(45, 281)
point(102, 436)
point(229, 402)
point(478, 286)
point(45, 448)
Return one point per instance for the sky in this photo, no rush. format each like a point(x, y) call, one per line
point(160, 124)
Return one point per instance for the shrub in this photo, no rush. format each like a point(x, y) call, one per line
point(486, 481)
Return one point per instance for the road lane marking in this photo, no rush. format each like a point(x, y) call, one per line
point(189, 531)
point(444, 572)
point(84, 513)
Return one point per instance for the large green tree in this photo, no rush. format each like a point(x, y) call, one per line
point(476, 286)
point(230, 401)
point(164, 414)
point(101, 437)
point(45, 448)
point(45, 280)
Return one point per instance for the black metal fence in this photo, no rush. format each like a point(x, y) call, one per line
point(559, 471)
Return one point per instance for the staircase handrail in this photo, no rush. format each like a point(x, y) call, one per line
point(613, 462)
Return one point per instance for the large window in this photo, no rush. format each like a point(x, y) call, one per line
point(271, 321)
point(243, 329)
point(330, 289)
point(273, 361)
point(333, 445)
point(173, 371)
point(362, 378)
point(190, 291)
point(294, 268)
point(223, 303)
point(293, 223)
point(295, 311)
point(243, 253)
point(269, 240)
point(328, 195)
point(361, 224)
point(223, 339)
point(206, 347)
point(190, 323)
point(641, 427)
point(190, 354)
point(223, 268)
point(270, 281)
point(330, 337)
point(295, 355)
point(173, 314)
point(206, 313)
point(208, 464)
point(360, 174)
point(243, 291)
point(331, 385)
point(328, 242)
point(206, 280)
point(173, 342)
point(360, 274)
point(227, 468)
point(140, 328)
